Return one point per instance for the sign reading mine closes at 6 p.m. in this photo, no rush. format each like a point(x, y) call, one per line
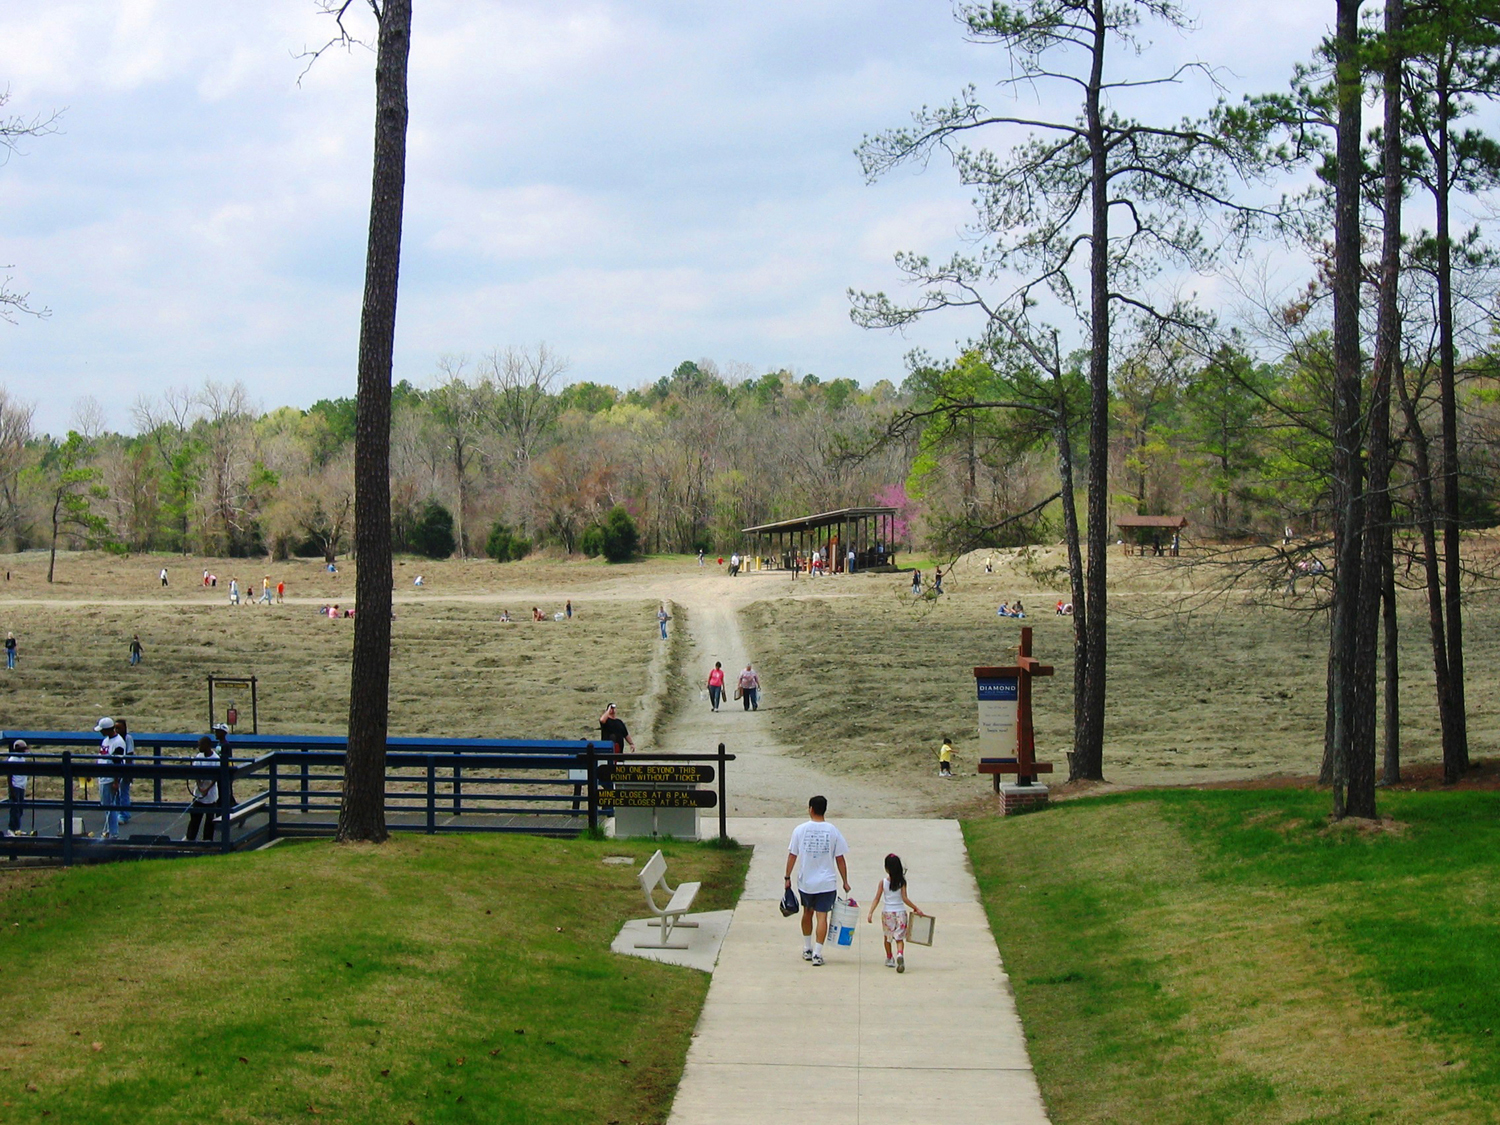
point(659, 798)
point(655, 773)
point(997, 716)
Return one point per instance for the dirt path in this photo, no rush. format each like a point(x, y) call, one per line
point(764, 780)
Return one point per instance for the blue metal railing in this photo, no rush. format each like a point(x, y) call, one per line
point(290, 783)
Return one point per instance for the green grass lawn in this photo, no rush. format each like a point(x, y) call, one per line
point(1228, 957)
point(433, 979)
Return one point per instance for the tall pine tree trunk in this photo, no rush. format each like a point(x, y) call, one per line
point(1348, 496)
point(1456, 729)
point(1377, 502)
point(1392, 725)
point(1088, 749)
point(362, 813)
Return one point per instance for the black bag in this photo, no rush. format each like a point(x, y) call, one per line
point(788, 903)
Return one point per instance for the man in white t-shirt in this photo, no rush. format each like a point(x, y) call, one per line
point(111, 753)
point(821, 848)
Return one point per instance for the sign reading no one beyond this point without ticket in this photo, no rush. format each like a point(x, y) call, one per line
point(998, 700)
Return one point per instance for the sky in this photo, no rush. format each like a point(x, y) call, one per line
point(633, 182)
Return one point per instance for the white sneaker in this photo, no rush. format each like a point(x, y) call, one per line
point(807, 955)
point(901, 962)
point(890, 962)
point(817, 958)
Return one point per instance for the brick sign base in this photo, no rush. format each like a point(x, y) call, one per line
point(1018, 799)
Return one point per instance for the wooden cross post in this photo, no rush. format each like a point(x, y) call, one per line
point(1001, 682)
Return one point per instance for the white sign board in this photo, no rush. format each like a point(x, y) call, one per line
point(997, 716)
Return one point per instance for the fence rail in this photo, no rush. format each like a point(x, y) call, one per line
point(273, 786)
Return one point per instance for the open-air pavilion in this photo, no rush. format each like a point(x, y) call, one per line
point(788, 544)
point(1145, 533)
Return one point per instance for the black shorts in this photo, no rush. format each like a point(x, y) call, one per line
point(819, 902)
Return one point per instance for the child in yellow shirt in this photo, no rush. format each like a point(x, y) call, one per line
point(945, 758)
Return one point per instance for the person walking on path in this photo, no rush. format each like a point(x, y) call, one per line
point(715, 686)
point(662, 618)
point(612, 729)
point(820, 847)
point(937, 581)
point(894, 904)
point(163, 576)
point(10, 650)
point(204, 791)
point(749, 686)
point(568, 609)
point(280, 592)
point(111, 753)
point(265, 590)
point(945, 758)
point(916, 583)
point(234, 591)
point(700, 556)
point(17, 780)
point(135, 649)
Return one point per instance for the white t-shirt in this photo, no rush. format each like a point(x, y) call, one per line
point(206, 791)
point(817, 844)
point(17, 780)
point(891, 902)
point(111, 748)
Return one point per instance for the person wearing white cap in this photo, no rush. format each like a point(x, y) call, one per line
point(18, 750)
point(111, 752)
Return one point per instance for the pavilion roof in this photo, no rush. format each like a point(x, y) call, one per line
point(822, 519)
point(1175, 523)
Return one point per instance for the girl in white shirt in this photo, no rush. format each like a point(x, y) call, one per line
point(894, 903)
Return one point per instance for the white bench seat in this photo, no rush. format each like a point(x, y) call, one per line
point(668, 918)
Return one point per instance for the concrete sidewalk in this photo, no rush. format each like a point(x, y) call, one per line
point(853, 1041)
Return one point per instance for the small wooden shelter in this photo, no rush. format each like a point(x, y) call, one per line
point(869, 532)
point(1145, 533)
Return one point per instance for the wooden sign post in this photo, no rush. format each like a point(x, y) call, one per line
point(1004, 694)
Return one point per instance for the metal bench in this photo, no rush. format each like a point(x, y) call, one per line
point(668, 918)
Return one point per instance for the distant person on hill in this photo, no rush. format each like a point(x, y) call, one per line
point(417, 581)
point(820, 848)
point(205, 580)
point(536, 614)
point(662, 617)
point(10, 650)
point(265, 590)
point(749, 689)
point(17, 781)
point(163, 576)
point(505, 616)
point(700, 556)
point(135, 649)
point(280, 592)
point(612, 729)
point(916, 583)
point(568, 609)
point(332, 569)
point(989, 564)
point(937, 581)
point(234, 591)
point(715, 686)
point(1018, 610)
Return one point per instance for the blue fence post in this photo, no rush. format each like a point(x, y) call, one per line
point(226, 801)
point(431, 796)
point(271, 824)
point(67, 764)
point(458, 787)
point(306, 780)
point(592, 762)
point(156, 781)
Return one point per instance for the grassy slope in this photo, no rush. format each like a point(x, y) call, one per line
point(873, 682)
point(455, 670)
point(386, 984)
point(1225, 957)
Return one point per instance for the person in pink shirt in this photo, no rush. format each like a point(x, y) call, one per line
point(716, 686)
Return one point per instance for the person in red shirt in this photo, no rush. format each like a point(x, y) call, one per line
point(716, 686)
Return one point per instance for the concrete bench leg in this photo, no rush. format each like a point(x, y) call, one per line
point(666, 928)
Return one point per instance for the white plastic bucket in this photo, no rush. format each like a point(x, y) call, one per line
point(843, 918)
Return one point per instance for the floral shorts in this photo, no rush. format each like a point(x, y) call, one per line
point(893, 922)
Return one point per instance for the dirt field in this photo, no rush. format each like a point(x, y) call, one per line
point(1220, 692)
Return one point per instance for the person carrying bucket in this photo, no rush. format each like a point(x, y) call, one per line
point(821, 849)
